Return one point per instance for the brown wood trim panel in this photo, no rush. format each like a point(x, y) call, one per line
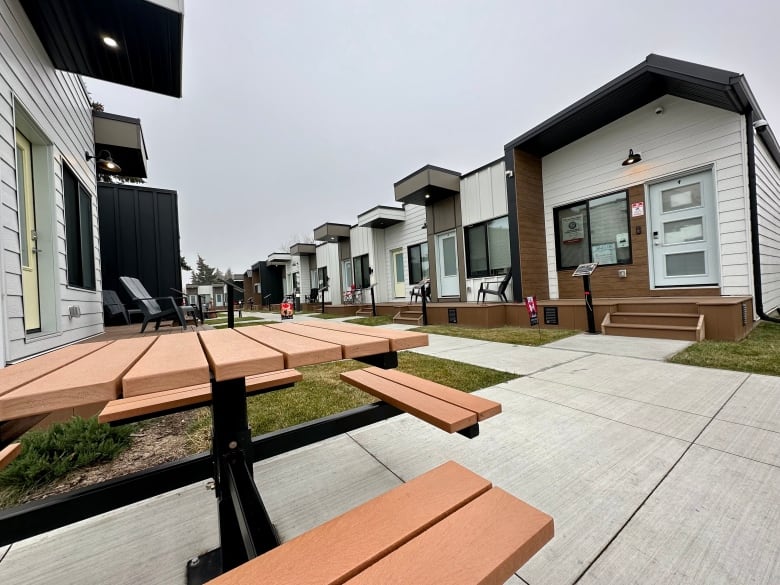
point(530, 225)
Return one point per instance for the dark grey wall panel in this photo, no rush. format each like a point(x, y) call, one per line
point(139, 236)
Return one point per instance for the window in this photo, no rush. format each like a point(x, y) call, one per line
point(346, 274)
point(596, 230)
point(322, 277)
point(487, 248)
point(418, 263)
point(79, 242)
point(362, 271)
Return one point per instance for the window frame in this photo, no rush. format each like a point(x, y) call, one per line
point(322, 275)
point(483, 225)
point(423, 276)
point(587, 204)
point(76, 255)
point(362, 276)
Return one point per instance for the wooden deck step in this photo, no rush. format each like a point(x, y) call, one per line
point(634, 318)
point(9, 453)
point(446, 408)
point(166, 402)
point(681, 333)
point(408, 317)
point(441, 516)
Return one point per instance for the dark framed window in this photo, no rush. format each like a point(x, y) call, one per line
point(487, 248)
point(362, 272)
point(322, 276)
point(419, 267)
point(596, 230)
point(79, 240)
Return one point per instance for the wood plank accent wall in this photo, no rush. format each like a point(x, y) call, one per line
point(605, 282)
point(530, 222)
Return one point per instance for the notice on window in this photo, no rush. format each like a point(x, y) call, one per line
point(604, 253)
point(572, 229)
point(638, 209)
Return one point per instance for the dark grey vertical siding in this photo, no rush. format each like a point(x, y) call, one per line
point(139, 236)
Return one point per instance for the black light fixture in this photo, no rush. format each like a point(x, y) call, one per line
point(104, 161)
point(632, 158)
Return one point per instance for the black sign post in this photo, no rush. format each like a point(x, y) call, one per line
point(585, 270)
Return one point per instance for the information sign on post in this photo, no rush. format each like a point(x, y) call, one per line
point(533, 316)
point(585, 270)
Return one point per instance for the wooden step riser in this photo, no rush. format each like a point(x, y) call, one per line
point(628, 331)
point(657, 308)
point(406, 321)
point(649, 319)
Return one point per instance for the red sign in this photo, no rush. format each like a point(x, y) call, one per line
point(530, 306)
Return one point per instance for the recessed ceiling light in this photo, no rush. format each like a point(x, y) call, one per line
point(110, 42)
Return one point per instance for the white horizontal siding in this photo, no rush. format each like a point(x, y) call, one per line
point(402, 235)
point(685, 137)
point(328, 255)
point(768, 200)
point(57, 104)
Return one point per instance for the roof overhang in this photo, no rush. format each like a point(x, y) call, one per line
point(381, 217)
point(331, 232)
point(655, 77)
point(124, 139)
point(278, 259)
point(427, 185)
point(303, 249)
point(149, 36)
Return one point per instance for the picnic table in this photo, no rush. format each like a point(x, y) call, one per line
point(143, 377)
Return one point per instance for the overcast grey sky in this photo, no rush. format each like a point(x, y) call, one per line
point(300, 112)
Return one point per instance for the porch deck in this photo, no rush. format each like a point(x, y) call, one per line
point(724, 317)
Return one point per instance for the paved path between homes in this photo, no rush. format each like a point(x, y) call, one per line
point(654, 473)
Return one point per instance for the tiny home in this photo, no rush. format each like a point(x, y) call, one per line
point(668, 177)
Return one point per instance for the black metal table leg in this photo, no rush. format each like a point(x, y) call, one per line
point(245, 530)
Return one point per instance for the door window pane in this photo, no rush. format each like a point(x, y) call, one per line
point(687, 264)
point(21, 183)
point(399, 267)
point(681, 198)
point(449, 257)
point(684, 230)
point(418, 263)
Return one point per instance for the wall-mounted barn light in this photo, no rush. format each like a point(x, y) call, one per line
point(104, 161)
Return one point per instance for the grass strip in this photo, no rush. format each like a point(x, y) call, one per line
point(513, 335)
point(757, 353)
point(371, 321)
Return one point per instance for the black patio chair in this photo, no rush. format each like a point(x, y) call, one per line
point(113, 307)
point(485, 288)
point(313, 295)
point(150, 307)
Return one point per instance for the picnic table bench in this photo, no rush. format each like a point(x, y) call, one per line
point(149, 376)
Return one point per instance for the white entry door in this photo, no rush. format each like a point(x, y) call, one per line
point(684, 232)
point(447, 265)
point(399, 289)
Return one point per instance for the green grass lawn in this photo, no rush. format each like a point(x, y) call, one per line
point(324, 315)
point(513, 335)
point(322, 393)
point(372, 321)
point(757, 353)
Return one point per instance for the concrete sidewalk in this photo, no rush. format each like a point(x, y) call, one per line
point(654, 473)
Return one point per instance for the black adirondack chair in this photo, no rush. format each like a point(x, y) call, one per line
point(113, 307)
point(150, 306)
point(486, 288)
